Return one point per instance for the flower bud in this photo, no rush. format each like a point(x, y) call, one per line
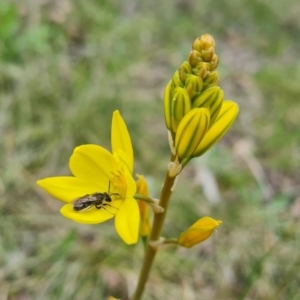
point(191, 131)
point(198, 232)
point(211, 78)
point(184, 70)
point(208, 54)
point(200, 69)
point(212, 98)
point(180, 107)
point(142, 188)
point(194, 58)
point(176, 81)
point(168, 105)
point(214, 62)
point(204, 42)
point(225, 118)
point(193, 85)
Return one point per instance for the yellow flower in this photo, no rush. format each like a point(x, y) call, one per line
point(198, 232)
point(96, 170)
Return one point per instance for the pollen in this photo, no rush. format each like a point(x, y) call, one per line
point(119, 183)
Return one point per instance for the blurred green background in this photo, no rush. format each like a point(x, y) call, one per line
point(66, 65)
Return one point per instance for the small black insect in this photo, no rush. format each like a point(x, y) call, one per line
point(99, 200)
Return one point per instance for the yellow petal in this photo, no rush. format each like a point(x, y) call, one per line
point(123, 159)
point(226, 117)
point(127, 221)
point(142, 186)
point(198, 232)
point(93, 164)
point(91, 216)
point(67, 188)
point(120, 138)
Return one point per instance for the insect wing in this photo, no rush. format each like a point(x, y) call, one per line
point(83, 203)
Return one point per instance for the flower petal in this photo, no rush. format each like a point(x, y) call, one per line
point(131, 184)
point(120, 138)
point(93, 164)
point(127, 221)
point(67, 188)
point(92, 216)
point(123, 159)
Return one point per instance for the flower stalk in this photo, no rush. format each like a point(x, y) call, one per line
point(158, 223)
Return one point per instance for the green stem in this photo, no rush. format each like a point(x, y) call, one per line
point(154, 236)
point(144, 198)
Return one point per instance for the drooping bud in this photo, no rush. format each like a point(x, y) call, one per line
point(181, 105)
point(184, 70)
point(212, 98)
point(142, 188)
point(225, 118)
point(193, 85)
point(191, 131)
point(198, 232)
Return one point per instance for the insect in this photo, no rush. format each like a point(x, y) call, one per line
point(99, 200)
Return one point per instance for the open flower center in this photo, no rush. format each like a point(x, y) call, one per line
point(119, 183)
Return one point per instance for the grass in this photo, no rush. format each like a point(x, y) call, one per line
point(65, 66)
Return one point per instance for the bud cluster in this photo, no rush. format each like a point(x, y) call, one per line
point(193, 101)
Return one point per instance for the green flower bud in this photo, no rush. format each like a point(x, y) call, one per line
point(212, 99)
point(194, 58)
point(168, 105)
point(181, 105)
point(176, 81)
point(191, 131)
point(193, 85)
point(184, 70)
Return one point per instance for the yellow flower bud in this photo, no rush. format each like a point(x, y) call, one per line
point(212, 98)
point(194, 58)
point(181, 105)
point(193, 85)
point(225, 118)
point(201, 69)
point(204, 42)
point(184, 70)
point(191, 131)
point(168, 105)
point(208, 54)
point(198, 232)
